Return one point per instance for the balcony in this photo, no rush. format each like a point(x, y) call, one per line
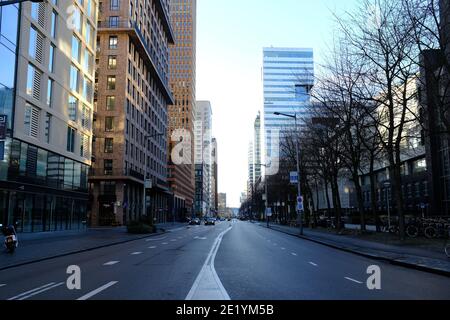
point(115, 174)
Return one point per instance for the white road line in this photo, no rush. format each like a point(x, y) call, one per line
point(136, 253)
point(173, 240)
point(97, 291)
point(156, 239)
point(34, 292)
point(293, 253)
point(313, 264)
point(152, 247)
point(207, 285)
point(2, 285)
point(164, 243)
point(111, 263)
point(350, 279)
point(283, 248)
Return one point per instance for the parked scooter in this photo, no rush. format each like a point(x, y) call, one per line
point(11, 241)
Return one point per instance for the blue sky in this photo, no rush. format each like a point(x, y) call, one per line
point(230, 38)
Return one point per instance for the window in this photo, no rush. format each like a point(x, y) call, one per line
point(87, 89)
point(73, 78)
point(113, 21)
point(420, 166)
point(51, 57)
point(84, 146)
point(113, 42)
point(35, 10)
point(108, 167)
point(109, 124)
point(53, 25)
point(76, 48)
point(71, 139)
point(31, 121)
point(88, 32)
point(110, 103)
point(112, 62)
point(34, 82)
point(72, 108)
point(76, 19)
point(48, 122)
point(109, 145)
point(111, 83)
point(85, 117)
point(114, 5)
point(36, 43)
point(49, 92)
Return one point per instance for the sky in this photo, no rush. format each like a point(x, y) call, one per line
point(230, 38)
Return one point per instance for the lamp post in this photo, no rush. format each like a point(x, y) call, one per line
point(266, 195)
point(299, 192)
point(144, 202)
point(387, 184)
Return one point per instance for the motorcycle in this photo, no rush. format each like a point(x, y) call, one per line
point(11, 242)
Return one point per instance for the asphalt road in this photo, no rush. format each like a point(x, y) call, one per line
point(246, 261)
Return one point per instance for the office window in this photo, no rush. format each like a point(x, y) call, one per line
point(109, 124)
point(113, 42)
point(51, 57)
point(88, 32)
point(85, 117)
point(113, 21)
point(108, 167)
point(34, 82)
point(76, 19)
point(48, 123)
point(112, 62)
point(88, 59)
point(110, 103)
point(87, 89)
point(109, 145)
point(76, 48)
point(49, 92)
point(71, 132)
point(74, 78)
point(36, 44)
point(114, 5)
point(84, 146)
point(111, 83)
point(53, 24)
point(35, 10)
point(72, 108)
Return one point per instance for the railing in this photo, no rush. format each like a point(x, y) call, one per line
point(115, 172)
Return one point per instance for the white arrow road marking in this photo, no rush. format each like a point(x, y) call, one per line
point(353, 280)
point(293, 253)
point(313, 264)
point(136, 253)
point(207, 285)
point(97, 291)
point(36, 291)
point(2, 284)
point(111, 263)
point(152, 247)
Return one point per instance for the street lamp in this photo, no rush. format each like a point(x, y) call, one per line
point(5, 3)
point(299, 192)
point(266, 195)
point(387, 184)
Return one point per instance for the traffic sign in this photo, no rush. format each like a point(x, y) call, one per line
point(293, 177)
point(300, 199)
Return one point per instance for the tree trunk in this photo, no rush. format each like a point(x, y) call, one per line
point(373, 193)
point(336, 201)
point(360, 199)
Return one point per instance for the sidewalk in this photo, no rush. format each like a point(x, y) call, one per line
point(430, 259)
point(34, 247)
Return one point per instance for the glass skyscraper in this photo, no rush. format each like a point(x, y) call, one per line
point(288, 78)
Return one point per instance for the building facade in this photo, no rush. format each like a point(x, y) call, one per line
point(181, 114)
point(288, 76)
point(202, 158)
point(46, 106)
point(214, 178)
point(257, 148)
point(222, 205)
point(128, 180)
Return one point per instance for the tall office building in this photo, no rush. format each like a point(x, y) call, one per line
point(181, 114)
point(222, 205)
point(257, 148)
point(46, 103)
point(288, 78)
point(214, 177)
point(251, 168)
point(129, 176)
point(202, 157)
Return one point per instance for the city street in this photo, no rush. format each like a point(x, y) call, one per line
point(236, 260)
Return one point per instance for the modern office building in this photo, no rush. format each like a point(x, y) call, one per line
point(288, 76)
point(181, 114)
point(251, 168)
point(257, 148)
point(46, 103)
point(222, 205)
point(202, 157)
point(128, 180)
point(214, 178)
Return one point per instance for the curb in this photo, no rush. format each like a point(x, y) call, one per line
point(20, 264)
point(371, 256)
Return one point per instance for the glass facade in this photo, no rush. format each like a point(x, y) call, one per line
point(288, 79)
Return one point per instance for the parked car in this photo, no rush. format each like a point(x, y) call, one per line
point(210, 222)
point(195, 221)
